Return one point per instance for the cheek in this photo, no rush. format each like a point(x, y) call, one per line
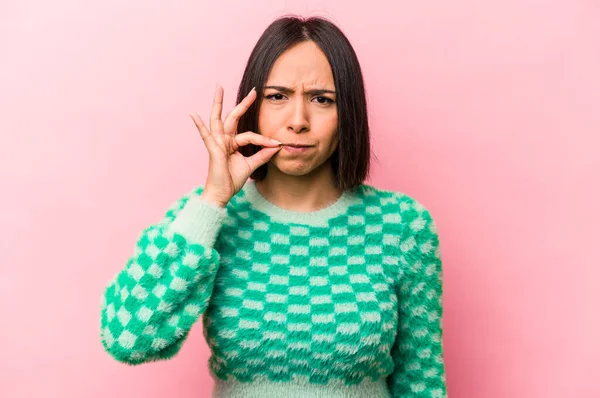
point(332, 126)
point(333, 146)
point(267, 122)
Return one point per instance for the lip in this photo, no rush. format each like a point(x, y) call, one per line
point(296, 148)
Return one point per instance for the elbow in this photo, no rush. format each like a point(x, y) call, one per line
point(119, 352)
point(122, 349)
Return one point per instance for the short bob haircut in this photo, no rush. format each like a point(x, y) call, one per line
point(351, 160)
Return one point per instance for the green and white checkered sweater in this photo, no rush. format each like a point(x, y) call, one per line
point(345, 301)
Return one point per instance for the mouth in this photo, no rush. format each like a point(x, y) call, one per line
point(296, 148)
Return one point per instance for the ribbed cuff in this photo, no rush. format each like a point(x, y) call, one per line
point(199, 221)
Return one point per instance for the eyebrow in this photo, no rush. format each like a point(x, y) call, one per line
point(288, 90)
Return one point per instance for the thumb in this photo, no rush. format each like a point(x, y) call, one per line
point(261, 157)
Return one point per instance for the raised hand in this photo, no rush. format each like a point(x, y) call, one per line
point(228, 169)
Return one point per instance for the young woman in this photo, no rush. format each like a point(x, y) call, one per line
point(310, 283)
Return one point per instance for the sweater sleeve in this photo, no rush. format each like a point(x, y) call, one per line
point(417, 352)
point(150, 306)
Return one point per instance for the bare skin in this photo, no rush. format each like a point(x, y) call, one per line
point(304, 114)
point(299, 112)
point(228, 169)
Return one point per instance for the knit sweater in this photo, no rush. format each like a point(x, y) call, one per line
point(345, 301)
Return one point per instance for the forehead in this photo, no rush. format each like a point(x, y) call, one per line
point(303, 63)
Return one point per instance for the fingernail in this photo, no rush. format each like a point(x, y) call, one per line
point(276, 142)
point(253, 89)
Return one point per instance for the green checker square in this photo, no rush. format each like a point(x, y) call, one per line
point(339, 241)
point(261, 236)
point(356, 230)
point(362, 288)
point(280, 250)
point(322, 346)
point(130, 301)
point(262, 258)
point(259, 277)
point(254, 295)
point(322, 309)
point(252, 334)
point(230, 301)
point(374, 259)
point(115, 326)
point(296, 240)
point(299, 280)
point(341, 260)
point(338, 222)
point(136, 324)
point(355, 250)
point(389, 228)
point(320, 290)
point(279, 374)
point(374, 219)
point(319, 378)
point(278, 228)
point(337, 280)
point(295, 299)
point(349, 317)
point(370, 306)
point(278, 307)
point(319, 251)
point(247, 313)
point(297, 336)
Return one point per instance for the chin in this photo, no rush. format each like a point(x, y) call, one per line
point(297, 169)
point(297, 172)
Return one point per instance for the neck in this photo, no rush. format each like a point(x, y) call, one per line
point(305, 193)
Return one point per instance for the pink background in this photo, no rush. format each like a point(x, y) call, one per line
point(487, 112)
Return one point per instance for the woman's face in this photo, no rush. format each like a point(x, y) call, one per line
point(299, 109)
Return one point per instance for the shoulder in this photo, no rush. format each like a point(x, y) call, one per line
point(237, 203)
point(403, 201)
point(409, 211)
point(191, 193)
point(179, 203)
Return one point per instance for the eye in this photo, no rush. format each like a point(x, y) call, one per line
point(326, 100)
point(320, 100)
point(272, 96)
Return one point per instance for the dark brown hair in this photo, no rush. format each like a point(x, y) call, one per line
point(352, 158)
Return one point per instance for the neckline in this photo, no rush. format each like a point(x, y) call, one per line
point(318, 217)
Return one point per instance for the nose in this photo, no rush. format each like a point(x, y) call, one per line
point(298, 121)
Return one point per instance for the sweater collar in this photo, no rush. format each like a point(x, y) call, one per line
point(317, 218)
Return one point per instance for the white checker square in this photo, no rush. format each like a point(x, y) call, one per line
point(159, 290)
point(139, 292)
point(155, 271)
point(279, 280)
point(135, 271)
point(159, 343)
point(190, 259)
point(298, 271)
point(192, 310)
point(318, 280)
point(110, 312)
point(127, 340)
point(123, 316)
point(178, 284)
point(144, 314)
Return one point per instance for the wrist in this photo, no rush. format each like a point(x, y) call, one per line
point(213, 200)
